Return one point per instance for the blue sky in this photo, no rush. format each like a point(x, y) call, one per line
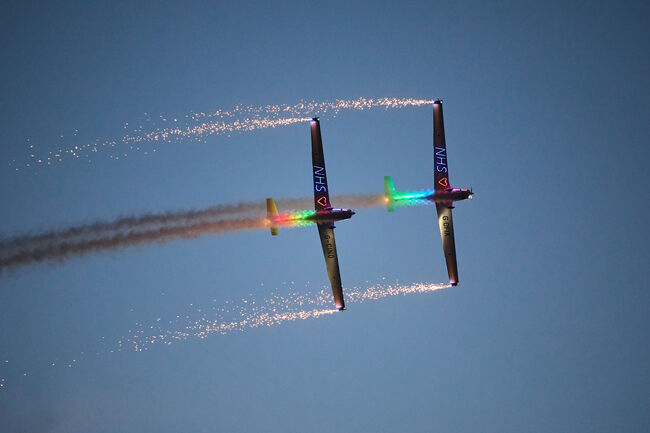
point(546, 118)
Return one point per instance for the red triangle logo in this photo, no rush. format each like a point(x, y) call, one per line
point(443, 181)
point(322, 201)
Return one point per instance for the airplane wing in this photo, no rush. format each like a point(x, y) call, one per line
point(321, 193)
point(440, 168)
point(446, 224)
point(326, 232)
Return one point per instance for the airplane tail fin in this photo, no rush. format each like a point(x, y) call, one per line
point(389, 192)
point(272, 214)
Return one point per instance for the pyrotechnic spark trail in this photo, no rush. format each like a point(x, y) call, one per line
point(196, 126)
point(58, 245)
point(200, 323)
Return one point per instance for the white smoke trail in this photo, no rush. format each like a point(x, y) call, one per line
point(196, 126)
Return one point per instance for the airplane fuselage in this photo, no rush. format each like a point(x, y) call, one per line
point(450, 195)
point(331, 215)
point(308, 217)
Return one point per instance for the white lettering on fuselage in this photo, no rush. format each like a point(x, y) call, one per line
point(446, 226)
point(329, 248)
point(320, 181)
point(440, 159)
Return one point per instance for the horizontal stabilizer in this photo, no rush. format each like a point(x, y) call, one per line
point(272, 214)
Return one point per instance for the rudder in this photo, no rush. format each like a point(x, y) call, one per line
point(389, 192)
point(271, 215)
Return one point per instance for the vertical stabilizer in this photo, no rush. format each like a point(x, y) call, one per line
point(272, 214)
point(389, 192)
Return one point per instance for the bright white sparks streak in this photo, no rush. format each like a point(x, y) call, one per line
point(143, 138)
point(275, 310)
point(200, 323)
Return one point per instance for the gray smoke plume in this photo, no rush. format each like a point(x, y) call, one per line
point(58, 245)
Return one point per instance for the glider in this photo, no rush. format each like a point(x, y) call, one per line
point(324, 215)
point(443, 195)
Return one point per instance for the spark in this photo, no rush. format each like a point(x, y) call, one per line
point(201, 323)
point(196, 126)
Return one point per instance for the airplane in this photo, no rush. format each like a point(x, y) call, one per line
point(442, 195)
point(323, 215)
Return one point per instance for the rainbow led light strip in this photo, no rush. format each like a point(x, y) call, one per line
point(411, 198)
point(296, 218)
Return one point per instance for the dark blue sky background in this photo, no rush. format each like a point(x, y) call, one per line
point(546, 115)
